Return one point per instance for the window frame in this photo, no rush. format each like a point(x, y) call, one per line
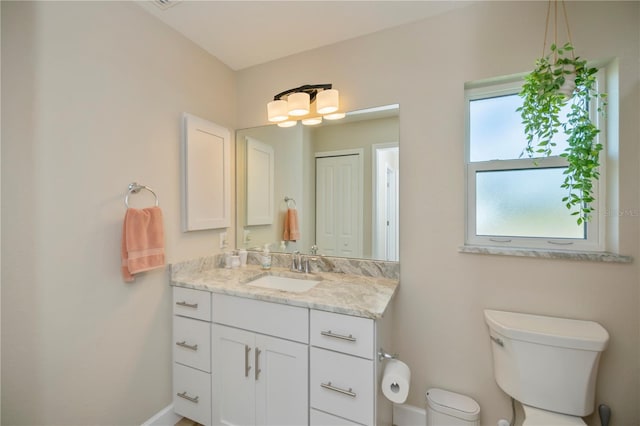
point(594, 229)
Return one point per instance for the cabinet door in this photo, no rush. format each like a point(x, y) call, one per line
point(192, 345)
point(232, 376)
point(206, 152)
point(281, 374)
point(343, 385)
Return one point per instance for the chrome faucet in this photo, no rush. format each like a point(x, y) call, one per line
point(299, 262)
point(296, 260)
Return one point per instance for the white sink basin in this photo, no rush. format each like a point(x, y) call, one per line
point(294, 285)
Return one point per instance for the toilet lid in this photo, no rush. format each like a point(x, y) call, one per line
point(537, 417)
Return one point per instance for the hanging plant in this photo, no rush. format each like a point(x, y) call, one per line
point(560, 79)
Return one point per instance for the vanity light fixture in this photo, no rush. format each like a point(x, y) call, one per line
point(288, 123)
point(294, 104)
point(334, 116)
point(298, 104)
point(311, 121)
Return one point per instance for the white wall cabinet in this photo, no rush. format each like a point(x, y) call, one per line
point(260, 173)
point(206, 177)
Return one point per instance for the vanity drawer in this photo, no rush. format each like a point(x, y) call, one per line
point(192, 393)
point(273, 319)
point(342, 385)
point(192, 303)
point(343, 333)
point(319, 418)
point(192, 343)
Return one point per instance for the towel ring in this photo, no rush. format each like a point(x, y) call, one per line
point(134, 188)
point(290, 200)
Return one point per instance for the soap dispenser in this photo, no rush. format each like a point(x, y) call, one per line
point(266, 257)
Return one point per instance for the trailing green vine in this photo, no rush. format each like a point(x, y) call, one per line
point(546, 91)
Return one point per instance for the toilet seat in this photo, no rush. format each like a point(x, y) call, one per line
point(537, 417)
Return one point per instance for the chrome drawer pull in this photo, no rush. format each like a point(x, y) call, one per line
point(187, 397)
point(185, 345)
point(187, 305)
point(258, 371)
point(247, 367)
point(335, 389)
point(349, 338)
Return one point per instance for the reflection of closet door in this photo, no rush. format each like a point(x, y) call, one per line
point(339, 204)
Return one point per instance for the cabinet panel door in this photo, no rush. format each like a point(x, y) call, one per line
point(319, 418)
point(192, 303)
point(343, 333)
point(206, 177)
point(273, 319)
point(192, 393)
point(232, 376)
point(281, 382)
point(260, 171)
point(342, 385)
point(192, 345)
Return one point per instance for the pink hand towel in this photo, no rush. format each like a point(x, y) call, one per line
point(291, 229)
point(142, 241)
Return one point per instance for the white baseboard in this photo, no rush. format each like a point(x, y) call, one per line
point(408, 415)
point(164, 417)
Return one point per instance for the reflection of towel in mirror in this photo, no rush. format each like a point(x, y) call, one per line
point(291, 229)
point(142, 241)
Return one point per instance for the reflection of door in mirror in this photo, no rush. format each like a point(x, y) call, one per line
point(385, 201)
point(339, 203)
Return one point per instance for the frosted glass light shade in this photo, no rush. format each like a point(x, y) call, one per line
point(334, 116)
point(298, 104)
point(289, 123)
point(277, 111)
point(312, 121)
point(327, 101)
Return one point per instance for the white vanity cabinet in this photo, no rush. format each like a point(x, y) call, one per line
point(192, 354)
point(345, 372)
point(260, 362)
point(243, 361)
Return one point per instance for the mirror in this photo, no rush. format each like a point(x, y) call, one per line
point(340, 177)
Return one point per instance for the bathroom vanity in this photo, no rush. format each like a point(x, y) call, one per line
point(257, 355)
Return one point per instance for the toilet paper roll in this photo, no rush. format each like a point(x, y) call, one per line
point(395, 381)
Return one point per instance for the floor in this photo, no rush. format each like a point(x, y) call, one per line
point(187, 422)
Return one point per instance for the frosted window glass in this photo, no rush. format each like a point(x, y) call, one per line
point(524, 203)
point(496, 131)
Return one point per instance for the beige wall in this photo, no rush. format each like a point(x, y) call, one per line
point(92, 100)
point(423, 67)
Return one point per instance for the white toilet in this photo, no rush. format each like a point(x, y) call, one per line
point(547, 364)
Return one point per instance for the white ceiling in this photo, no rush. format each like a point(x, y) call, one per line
point(246, 33)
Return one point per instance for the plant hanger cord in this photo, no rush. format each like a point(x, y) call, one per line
point(555, 27)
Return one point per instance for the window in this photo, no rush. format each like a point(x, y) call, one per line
point(513, 200)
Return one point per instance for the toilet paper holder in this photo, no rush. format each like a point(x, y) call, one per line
point(382, 355)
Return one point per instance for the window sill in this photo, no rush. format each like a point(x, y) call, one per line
point(548, 254)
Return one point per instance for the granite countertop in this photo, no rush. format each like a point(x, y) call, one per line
point(351, 294)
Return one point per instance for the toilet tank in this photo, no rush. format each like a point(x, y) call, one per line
point(546, 362)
